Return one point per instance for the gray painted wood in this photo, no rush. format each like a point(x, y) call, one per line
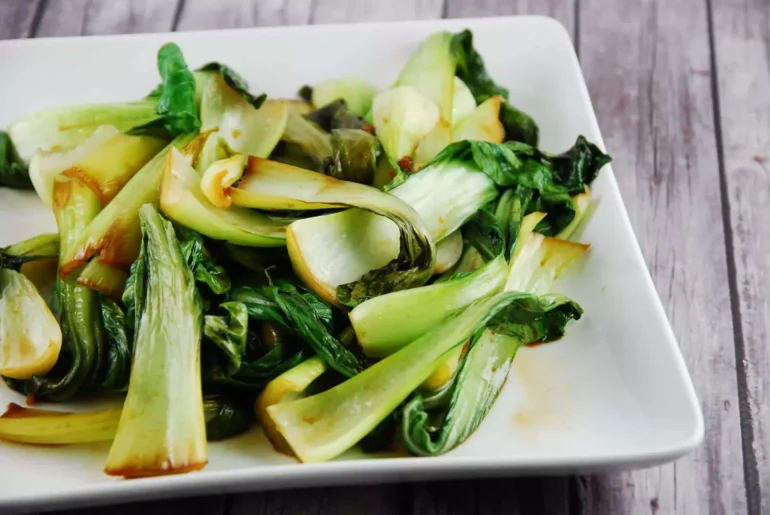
point(742, 55)
point(17, 18)
point(648, 68)
point(346, 11)
point(91, 17)
point(562, 10)
point(205, 14)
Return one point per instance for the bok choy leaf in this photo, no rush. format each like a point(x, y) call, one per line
point(385, 324)
point(357, 93)
point(461, 401)
point(322, 426)
point(273, 185)
point(13, 171)
point(302, 315)
point(471, 70)
point(114, 234)
point(162, 427)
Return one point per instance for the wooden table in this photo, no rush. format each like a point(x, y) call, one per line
point(682, 91)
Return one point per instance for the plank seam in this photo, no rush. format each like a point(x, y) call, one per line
point(37, 18)
point(576, 28)
point(750, 467)
point(177, 15)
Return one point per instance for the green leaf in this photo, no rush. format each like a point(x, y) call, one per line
point(321, 427)
point(483, 232)
point(118, 352)
point(471, 394)
point(335, 115)
point(543, 182)
point(78, 307)
point(42, 246)
point(176, 106)
point(13, 171)
point(228, 331)
point(471, 70)
point(354, 156)
point(302, 314)
point(204, 267)
point(226, 417)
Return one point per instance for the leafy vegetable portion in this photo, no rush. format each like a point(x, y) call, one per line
point(323, 426)
point(162, 427)
point(359, 266)
point(13, 171)
point(471, 70)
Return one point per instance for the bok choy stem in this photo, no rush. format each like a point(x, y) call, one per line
point(162, 427)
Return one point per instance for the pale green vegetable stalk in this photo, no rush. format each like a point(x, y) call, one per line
point(182, 200)
point(106, 161)
point(357, 93)
point(340, 248)
point(30, 336)
point(402, 116)
point(240, 126)
point(536, 263)
point(46, 427)
point(272, 185)
point(162, 428)
point(448, 252)
point(386, 323)
point(321, 427)
point(431, 70)
point(114, 235)
point(62, 128)
point(462, 399)
point(583, 208)
point(290, 385)
point(463, 102)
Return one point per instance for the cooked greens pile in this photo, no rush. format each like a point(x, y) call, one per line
point(355, 266)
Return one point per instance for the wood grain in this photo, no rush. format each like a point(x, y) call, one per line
point(562, 10)
point(205, 14)
point(346, 11)
point(742, 55)
point(648, 68)
point(17, 18)
point(91, 17)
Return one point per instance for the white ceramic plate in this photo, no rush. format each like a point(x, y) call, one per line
point(613, 394)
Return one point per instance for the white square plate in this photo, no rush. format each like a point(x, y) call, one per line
point(613, 394)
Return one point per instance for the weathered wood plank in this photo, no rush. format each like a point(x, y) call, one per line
point(742, 54)
point(17, 18)
point(562, 10)
point(343, 11)
point(204, 14)
point(546, 496)
point(382, 500)
point(214, 505)
point(648, 68)
point(91, 17)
